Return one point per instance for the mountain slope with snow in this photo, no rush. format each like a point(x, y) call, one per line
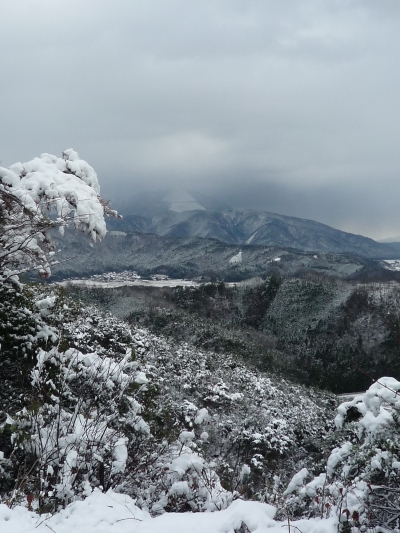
point(254, 227)
point(189, 257)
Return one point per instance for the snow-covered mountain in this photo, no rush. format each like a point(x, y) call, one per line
point(189, 257)
point(239, 226)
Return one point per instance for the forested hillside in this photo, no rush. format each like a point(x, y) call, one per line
point(192, 257)
point(319, 331)
point(91, 403)
point(125, 400)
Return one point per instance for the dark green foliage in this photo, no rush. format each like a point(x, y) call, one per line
point(257, 301)
point(203, 299)
point(337, 369)
point(19, 341)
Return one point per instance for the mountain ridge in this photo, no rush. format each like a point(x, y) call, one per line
point(245, 226)
point(191, 257)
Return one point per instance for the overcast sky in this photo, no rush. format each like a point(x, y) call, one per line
point(290, 106)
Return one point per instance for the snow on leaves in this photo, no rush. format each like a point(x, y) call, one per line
point(361, 483)
point(41, 194)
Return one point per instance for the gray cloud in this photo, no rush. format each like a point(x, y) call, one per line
point(281, 105)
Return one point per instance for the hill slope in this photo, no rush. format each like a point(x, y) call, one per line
point(256, 227)
point(191, 257)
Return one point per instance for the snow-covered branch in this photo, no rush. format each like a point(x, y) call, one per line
point(45, 193)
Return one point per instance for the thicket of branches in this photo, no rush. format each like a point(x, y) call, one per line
point(360, 484)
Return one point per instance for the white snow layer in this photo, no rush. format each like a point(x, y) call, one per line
point(391, 264)
point(250, 239)
point(236, 258)
point(297, 481)
point(375, 405)
point(202, 414)
point(68, 184)
point(117, 513)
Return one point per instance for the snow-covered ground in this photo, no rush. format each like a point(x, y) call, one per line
point(117, 513)
point(136, 283)
point(236, 259)
point(392, 264)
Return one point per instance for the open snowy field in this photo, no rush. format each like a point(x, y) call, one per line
point(136, 283)
point(117, 280)
point(392, 264)
point(117, 513)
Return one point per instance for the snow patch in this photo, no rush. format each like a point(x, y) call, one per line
point(202, 415)
point(297, 481)
point(391, 264)
point(236, 259)
point(117, 513)
point(117, 233)
point(141, 378)
point(250, 239)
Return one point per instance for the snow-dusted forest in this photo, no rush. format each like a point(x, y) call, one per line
point(115, 424)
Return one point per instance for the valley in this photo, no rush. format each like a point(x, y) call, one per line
point(323, 319)
point(333, 334)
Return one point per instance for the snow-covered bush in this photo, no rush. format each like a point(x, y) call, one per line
point(45, 193)
point(186, 481)
point(80, 414)
point(23, 331)
point(361, 482)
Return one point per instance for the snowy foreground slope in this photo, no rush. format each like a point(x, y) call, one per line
point(107, 427)
point(117, 513)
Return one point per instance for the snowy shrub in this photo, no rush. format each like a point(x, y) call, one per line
point(187, 482)
point(73, 414)
point(75, 435)
point(361, 481)
point(23, 331)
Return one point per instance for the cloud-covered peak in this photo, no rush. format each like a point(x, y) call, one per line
point(182, 201)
